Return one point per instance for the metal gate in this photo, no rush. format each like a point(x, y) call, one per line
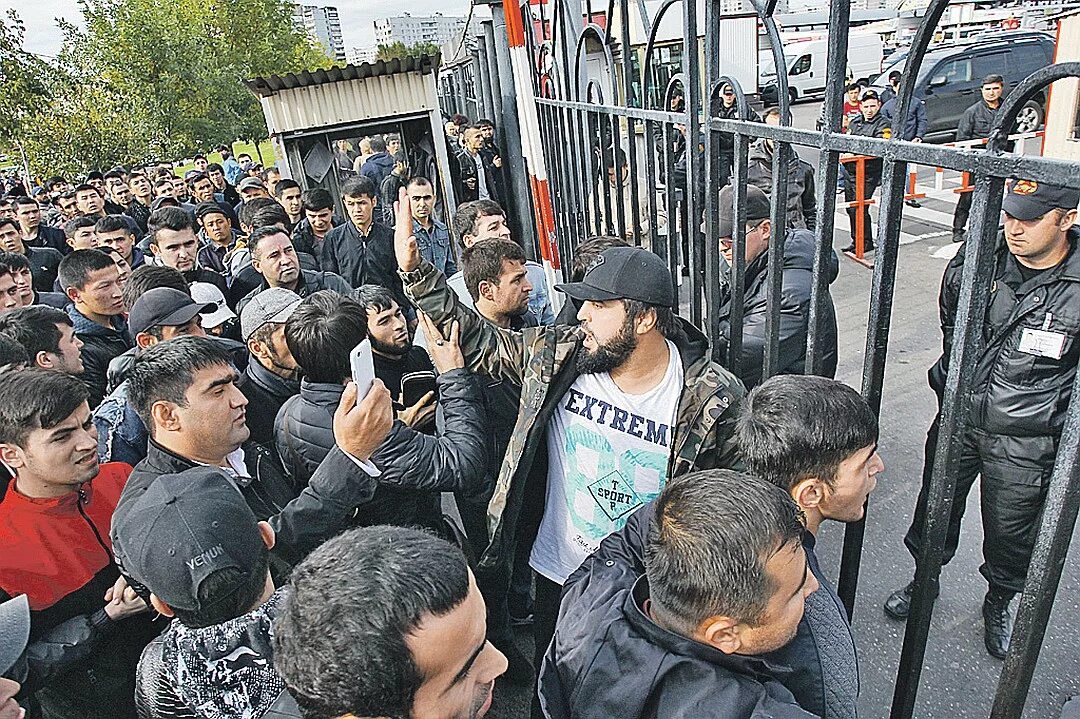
point(597, 102)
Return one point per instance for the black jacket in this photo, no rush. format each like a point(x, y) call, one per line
point(377, 167)
point(364, 260)
point(50, 237)
point(466, 169)
point(266, 392)
point(302, 520)
point(608, 659)
point(414, 467)
point(121, 365)
point(801, 203)
point(794, 312)
point(51, 299)
point(44, 264)
point(976, 121)
point(202, 274)
point(309, 281)
point(388, 195)
point(100, 346)
point(304, 240)
point(880, 127)
point(1016, 393)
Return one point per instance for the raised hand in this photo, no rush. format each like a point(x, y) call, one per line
point(405, 247)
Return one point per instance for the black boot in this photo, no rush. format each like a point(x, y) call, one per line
point(898, 605)
point(998, 622)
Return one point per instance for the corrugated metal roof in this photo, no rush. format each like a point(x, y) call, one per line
point(268, 86)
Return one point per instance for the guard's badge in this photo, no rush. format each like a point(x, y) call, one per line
point(1025, 187)
point(595, 263)
point(887, 133)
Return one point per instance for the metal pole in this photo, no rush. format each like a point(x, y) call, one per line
point(514, 160)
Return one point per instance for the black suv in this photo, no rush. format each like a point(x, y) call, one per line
point(951, 76)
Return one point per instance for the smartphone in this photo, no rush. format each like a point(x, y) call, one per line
point(415, 385)
point(363, 368)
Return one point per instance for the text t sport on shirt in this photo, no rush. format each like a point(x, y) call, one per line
point(616, 418)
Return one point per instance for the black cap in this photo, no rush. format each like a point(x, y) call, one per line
point(164, 307)
point(208, 208)
point(869, 95)
point(1030, 200)
point(625, 273)
point(184, 528)
point(757, 208)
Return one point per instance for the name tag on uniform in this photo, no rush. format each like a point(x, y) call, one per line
point(1042, 343)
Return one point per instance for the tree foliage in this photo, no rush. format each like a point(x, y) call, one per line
point(147, 79)
point(402, 51)
point(23, 80)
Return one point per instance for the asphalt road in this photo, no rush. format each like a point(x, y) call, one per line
point(959, 678)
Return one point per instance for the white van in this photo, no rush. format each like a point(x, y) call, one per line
point(807, 59)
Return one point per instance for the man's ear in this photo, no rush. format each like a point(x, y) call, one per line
point(268, 536)
point(12, 455)
point(153, 249)
point(646, 322)
point(44, 360)
point(1068, 220)
point(145, 340)
point(809, 493)
point(161, 607)
point(485, 291)
point(72, 293)
point(164, 415)
point(723, 633)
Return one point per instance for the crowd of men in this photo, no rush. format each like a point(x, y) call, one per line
point(203, 515)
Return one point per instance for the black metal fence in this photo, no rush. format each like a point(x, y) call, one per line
point(591, 118)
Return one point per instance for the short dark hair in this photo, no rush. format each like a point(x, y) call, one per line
point(459, 119)
point(365, 666)
point(196, 177)
point(111, 223)
point(219, 604)
point(283, 184)
point(200, 156)
point(5, 221)
point(317, 198)
point(74, 225)
point(483, 262)
point(588, 250)
point(12, 354)
point(35, 328)
point(24, 200)
point(895, 75)
point(266, 215)
point(114, 174)
point(94, 175)
point(86, 187)
point(793, 427)
point(259, 234)
point(708, 542)
point(469, 213)
point(419, 181)
point(166, 179)
point(994, 80)
point(852, 86)
point(374, 298)
point(36, 398)
point(264, 175)
point(53, 181)
point(215, 167)
point(361, 186)
point(147, 277)
point(484, 122)
point(322, 331)
point(376, 143)
point(165, 372)
point(173, 219)
point(391, 137)
point(76, 267)
point(13, 262)
point(249, 207)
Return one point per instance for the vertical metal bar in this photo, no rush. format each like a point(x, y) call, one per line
point(694, 165)
point(490, 55)
point(630, 99)
point(1044, 575)
point(486, 105)
point(775, 259)
point(738, 253)
point(514, 164)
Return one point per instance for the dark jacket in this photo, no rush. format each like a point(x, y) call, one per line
point(794, 312)
point(801, 203)
point(609, 659)
point(414, 467)
point(881, 127)
point(364, 260)
point(100, 346)
point(543, 361)
point(303, 239)
point(57, 552)
point(302, 520)
point(50, 237)
point(976, 121)
point(377, 167)
point(52, 299)
point(266, 392)
point(388, 195)
point(202, 274)
point(466, 170)
point(916, 123)
point(44, 264)
point(1015, 393)
point(309, 281)
point(222, 670)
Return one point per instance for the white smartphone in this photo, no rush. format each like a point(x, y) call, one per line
point(363, 368)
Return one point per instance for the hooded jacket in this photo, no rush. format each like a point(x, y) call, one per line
point(57, 552)
point(377, 167)
point(225, 671)
point(801, 204)
point(609, 659)
point(414, 467)
point(794, 312)
point(543, 361)
point(266, 393)
point(100, 346)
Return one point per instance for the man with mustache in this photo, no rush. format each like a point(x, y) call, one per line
point(274, 257)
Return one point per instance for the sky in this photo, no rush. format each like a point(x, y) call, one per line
point(43, 36)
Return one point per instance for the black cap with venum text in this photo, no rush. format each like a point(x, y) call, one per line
point(625, 273)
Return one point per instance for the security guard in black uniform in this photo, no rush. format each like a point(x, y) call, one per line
point(1021, 390)
point(870, 124)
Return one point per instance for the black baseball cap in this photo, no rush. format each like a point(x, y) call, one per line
point(870, 95)
point(184, 528)
point(1030, 199)
point(164, 307)
point(757, 208)
point(208, 208)
point(625, 273)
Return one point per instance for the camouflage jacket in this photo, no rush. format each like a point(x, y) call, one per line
point(543, 360)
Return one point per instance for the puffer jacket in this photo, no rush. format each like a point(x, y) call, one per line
point(225, 670)
point(794, 312)
point(801, 205)
point(1015, 393)
point(413, 467)
point(100, 346)
point(608, 650)
point(543, 361)
point(309, 282)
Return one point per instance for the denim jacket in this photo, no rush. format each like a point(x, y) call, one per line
point(435, 246)
point(121, 433)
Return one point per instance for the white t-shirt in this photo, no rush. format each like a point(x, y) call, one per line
point(481, 177)
point(607, 456)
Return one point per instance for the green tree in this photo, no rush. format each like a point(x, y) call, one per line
point(147, 79)
point(23, 80)
point(399, 49)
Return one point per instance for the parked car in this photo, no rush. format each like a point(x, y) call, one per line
point(807, 61)
point(950, 77)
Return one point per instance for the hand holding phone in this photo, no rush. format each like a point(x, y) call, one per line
point(363, 368)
